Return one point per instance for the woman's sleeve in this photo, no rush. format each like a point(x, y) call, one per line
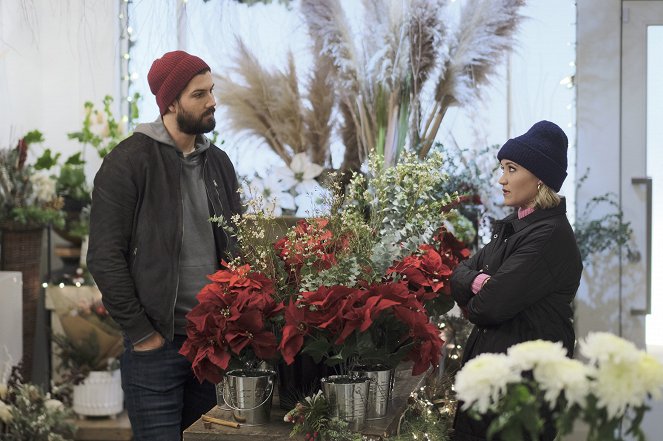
point(523, 279)
point(462, 278)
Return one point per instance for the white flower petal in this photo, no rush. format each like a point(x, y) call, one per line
point(309, 186)
point(299, 163)
point(312, 170)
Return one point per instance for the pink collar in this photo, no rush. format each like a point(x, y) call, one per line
point(522, 212)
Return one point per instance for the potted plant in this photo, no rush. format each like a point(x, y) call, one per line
point(229, 334)
point(88, 353)
point(28, 203)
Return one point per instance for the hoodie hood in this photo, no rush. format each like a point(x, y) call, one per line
point(157, 131)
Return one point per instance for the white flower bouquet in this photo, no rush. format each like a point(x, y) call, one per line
point(535, 381)
point(288, 190)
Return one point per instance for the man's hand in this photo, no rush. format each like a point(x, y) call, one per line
point(154, 341)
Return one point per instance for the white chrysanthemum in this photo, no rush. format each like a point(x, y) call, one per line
point(601, 347)
point(525, 356)
point(300, 173)
point(564, 374)
point(52, 404)
point(617, 386)
point(5, 412)
point(483, 380)
point(43, 187)
point(650, 373)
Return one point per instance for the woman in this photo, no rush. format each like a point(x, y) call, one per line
point(520, 286)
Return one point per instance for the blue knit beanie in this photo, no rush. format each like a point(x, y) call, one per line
point(542, 151)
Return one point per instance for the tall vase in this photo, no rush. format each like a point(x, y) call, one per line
point(21, 251)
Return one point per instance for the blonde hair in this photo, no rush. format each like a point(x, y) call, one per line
point(546, 197)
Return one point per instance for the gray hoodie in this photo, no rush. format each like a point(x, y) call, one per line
point(198, 255)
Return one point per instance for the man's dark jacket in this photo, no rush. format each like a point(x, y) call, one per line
point(535, 270)
point(136, 229)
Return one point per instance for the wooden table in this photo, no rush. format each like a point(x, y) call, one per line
point(277, 429)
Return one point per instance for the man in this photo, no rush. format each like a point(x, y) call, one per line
point(152, 245)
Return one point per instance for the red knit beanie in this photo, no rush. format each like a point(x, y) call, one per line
point(170, 74)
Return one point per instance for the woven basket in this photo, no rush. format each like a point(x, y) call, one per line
point(21, 251)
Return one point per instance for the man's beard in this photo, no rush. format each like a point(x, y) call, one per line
point(191, 125)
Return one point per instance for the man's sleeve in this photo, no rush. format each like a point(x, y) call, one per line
point(110, 252)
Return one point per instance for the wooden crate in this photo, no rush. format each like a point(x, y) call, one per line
point(278, 429)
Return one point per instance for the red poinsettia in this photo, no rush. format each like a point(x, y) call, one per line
point(381, 324)
point(230, 321)
point(428, 271)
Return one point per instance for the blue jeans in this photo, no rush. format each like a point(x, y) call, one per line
point(161, 394)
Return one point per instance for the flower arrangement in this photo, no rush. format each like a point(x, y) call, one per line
point(610, 392)
point(92, 340)
point(27, 197)
point(361, 281)
point(26, 413)
point(230, 324)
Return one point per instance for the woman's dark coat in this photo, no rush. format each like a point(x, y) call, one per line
point(535, 268)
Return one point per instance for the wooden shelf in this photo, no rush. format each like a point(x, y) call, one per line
point(278, 429)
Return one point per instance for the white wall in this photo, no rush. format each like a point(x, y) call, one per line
point(54, 56)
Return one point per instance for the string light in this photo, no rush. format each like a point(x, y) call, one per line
point(127, 40)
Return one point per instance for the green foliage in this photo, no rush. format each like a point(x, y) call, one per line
point(47, 160)
point(77, 359)
point(35, 215)
point(26, 196)
point(597, 235)
point(33, 137)
point(311, 418)
point(421, 421)
point(519, 415)
point(71, 182)
point(112, 134)
point(32, 414)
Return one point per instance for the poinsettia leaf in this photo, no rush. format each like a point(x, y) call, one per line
point(317, 349)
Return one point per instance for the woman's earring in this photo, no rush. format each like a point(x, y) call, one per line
point(538, 186)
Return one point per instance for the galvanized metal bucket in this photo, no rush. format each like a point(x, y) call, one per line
point(381, 383)
point(347, 397)
point(248, 393)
